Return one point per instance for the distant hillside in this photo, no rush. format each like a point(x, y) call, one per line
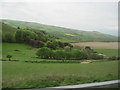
point(7, 28)
point(64, 34)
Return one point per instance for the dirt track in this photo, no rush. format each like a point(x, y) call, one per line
point(98, 45)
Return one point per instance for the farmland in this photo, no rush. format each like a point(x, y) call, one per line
point(39, 75)
point(98, 45)
point(31, 75)
point(63, 63)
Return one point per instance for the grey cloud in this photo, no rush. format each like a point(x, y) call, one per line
point(78, 15)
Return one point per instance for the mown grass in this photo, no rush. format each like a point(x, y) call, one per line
point(37, 75)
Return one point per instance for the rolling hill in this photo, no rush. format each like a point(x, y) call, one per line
point(64, 34)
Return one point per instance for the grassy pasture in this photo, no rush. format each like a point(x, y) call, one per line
point(108, 52)
point(36, 75)
point(24, 52)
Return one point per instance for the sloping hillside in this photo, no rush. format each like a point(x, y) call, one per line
point(7, 28)
point(64, 34)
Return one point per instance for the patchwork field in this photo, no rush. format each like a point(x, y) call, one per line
point(98, 45)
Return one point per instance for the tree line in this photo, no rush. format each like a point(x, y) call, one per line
point(36, 39)
point(60, 54)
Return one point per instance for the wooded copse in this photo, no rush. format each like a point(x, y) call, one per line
point(36, 39)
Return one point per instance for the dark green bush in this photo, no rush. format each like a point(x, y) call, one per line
point(41, 44)
point(53, 45)
point(69, 55)
point(78, 54)
point(112, 58)
point(47, 53)
point(44, 53)
point(118, 58)
point(23, 35)
point(59, 54)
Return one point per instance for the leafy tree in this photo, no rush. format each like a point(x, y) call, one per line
point(9, 56)
point(19, 36)
point(41, 44)
point(53, 45)
point(60, 55)
point(48, 44)
point(44, 52)
point(41, 36)
point(24, 35)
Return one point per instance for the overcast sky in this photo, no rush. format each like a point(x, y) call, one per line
point(88, 16)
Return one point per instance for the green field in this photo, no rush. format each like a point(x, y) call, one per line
point(36, 75)
point(108, 52)
point(39, 75)
point(24, 53)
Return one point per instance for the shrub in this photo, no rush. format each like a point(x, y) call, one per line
point(41, 44)
point(68, 55)
point(78, 54)
point(60, 54)
point(44, 53)
point(61, 45)
point(118, 58)
point(48, 44)
point(24, 35)
point(53, 45)
point(112, 58)
point(66, 44)
point(19, 36)
point(96, 56)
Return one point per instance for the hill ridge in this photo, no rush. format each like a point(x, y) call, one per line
point(64, 34)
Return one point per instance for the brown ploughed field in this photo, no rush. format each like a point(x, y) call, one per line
point(98, 45)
